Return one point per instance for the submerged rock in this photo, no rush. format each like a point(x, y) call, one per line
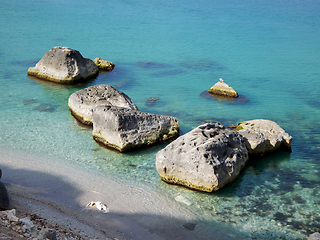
point(205, 159)
point(4, 197)
point(189, 226)
point(103, 64)
point(82, 102)
point(151, 101)
point(264, 136)
point(45, 107)
point(221, 88)
point(64, 65)
point(124, 129)
point(29, 101)
point(155, 65)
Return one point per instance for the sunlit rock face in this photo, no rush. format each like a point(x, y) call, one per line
point(264, 136)
point(82, 102)
point(125, 129)
point(206, 159)
point(64, 65)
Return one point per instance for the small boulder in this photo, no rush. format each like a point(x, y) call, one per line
point(64, 65)
point(103, 64)
point(264, 136)
point(221, 88)
point(124, 129)
point(82, 102)
point(46, 233)
point(206, 159)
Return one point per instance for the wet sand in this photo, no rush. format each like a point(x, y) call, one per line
point(59, 192)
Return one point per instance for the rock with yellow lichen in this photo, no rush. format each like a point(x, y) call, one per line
point(103, 64)
point(223, 89)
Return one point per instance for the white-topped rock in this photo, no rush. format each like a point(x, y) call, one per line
point(264, 136)
point(206, 159)
point(221, 88)
point(82, 102)
point(64, 65)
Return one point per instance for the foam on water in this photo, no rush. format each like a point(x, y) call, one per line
point(267, 51)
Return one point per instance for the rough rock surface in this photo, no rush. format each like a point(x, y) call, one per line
point(124, 129)
point(103, 64)
point(221, 88)
point(314, 236)
point(82, 102)
point(207, 158)
point(64, 65)
point(31, 226)
point(264, 136)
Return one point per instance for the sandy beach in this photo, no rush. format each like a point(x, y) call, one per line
point(57, 194)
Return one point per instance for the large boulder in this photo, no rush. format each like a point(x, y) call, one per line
point(223, 89)
point(82, 102)
point(205, 159)
point(124, 129)
point(264, 136)
point(64, 65)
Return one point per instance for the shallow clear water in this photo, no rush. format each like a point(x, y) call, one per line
point(268, 51)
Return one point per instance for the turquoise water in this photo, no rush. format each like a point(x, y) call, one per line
point(268, 51)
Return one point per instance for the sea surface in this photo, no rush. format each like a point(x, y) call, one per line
point(268, 51)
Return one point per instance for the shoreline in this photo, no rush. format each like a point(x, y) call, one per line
point(59, 192)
